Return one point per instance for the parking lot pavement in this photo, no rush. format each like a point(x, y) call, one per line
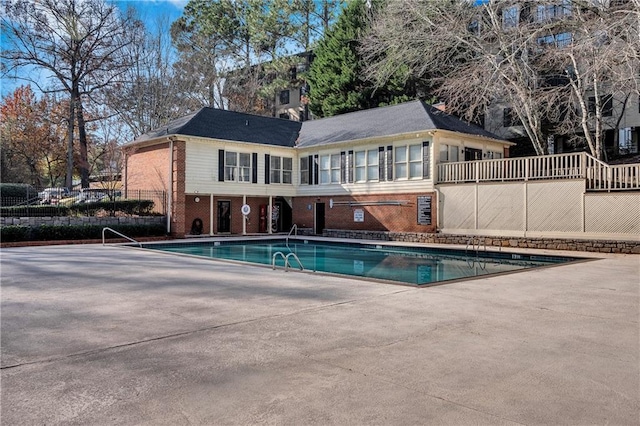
point(114, 335)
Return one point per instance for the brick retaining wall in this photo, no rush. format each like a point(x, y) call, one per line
point(600, 246)
point(82, 220)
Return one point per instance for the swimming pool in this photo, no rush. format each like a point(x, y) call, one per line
point(406, 265)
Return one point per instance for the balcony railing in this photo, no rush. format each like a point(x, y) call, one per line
point(598, 175)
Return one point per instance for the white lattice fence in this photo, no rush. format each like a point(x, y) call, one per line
point(501, 206)
point(555, 206)
point(617, 213)
point(458, 206)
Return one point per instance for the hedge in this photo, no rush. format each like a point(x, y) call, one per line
point(17, 193)
point(128, 207)
point(17, 190)
point(15, 233)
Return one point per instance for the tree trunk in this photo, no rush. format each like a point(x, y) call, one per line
point(82, 137)
point(70, 130)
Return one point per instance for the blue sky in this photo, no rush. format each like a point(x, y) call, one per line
point(149, 11)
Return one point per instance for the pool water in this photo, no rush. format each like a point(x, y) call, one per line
point(407, 265)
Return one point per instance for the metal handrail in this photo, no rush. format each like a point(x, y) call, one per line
point(293, 228)
point(118, 233)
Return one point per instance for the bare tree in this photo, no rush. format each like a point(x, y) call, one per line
point(501, 52)
point(601, 67)
point(150, 92)
point(78, 43)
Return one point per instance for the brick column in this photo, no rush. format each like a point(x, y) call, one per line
point(178, 208)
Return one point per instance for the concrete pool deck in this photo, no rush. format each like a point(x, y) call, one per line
point(115, 335)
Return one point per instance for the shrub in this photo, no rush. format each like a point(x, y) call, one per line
point(17, 190)
point(76, 232)
point(34, 211)
point(13, 233)
point(127, 207)
point(12, 194)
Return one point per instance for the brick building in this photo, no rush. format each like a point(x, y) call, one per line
point(234, 173)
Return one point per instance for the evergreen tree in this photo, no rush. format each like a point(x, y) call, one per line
point(336, 79)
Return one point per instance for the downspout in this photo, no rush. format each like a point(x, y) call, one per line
point(170, 189)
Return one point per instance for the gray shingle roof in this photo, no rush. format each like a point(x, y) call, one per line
point(391, 120)
point(230, 125)
point(384, 121)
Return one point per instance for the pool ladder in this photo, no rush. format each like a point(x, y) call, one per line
point(475, 244)
point(287, 264)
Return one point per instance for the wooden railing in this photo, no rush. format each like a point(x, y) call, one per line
point(598, 175)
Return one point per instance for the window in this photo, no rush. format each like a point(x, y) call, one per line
point(563, 39)
point(280, 169)
point(287, 170)
point(510, 17)
point(244, 167)
point(626, 143)
point(230, 165)
point(553, 11)
point(304, 171)
point(284, 97)
point(401, 162)
point(606, 105)
point(237, 166)
point(558, 40)
point(494, 155)
point(408, 162)
point(372, 165)
point(448, 153)
point(276, 169)
point(330, 168)
point(366, 165)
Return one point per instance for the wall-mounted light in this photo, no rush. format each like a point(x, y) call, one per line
point(197, 199)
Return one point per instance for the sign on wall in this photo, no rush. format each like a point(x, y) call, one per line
point(424, 210)
point(358, 215)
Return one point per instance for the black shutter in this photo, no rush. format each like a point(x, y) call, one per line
point(267, 168)
point(315, 169)
point(221, 165)
point(254, 167)
point(389, 162)
point(310, 166)
point(426, 160)
point(350, 167)
point(343, 167)
point(381, 164)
